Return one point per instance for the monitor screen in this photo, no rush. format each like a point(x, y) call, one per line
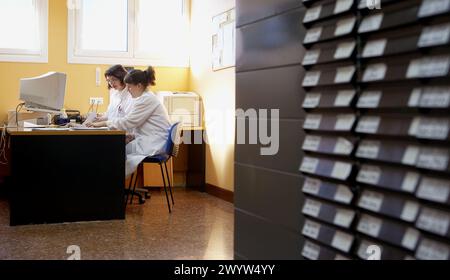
point(44, 92)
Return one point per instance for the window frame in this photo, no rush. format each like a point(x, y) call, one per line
point(33, 56)
point(131, 56)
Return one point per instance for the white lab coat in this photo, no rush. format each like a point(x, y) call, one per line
point(120, 103)
point(150, 122)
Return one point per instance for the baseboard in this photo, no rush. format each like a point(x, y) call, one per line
point(220, 193)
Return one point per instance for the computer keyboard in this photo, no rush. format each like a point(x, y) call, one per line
point(89, 128)
point(50, 129)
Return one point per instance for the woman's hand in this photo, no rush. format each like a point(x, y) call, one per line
point(96, 124)
point(129, 138)
point(100, 118)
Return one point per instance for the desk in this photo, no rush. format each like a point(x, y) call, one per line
point(187, 169)
point(4, 168)
point(196, 163)
point(66, 176)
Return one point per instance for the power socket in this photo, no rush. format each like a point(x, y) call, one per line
point(96, 101)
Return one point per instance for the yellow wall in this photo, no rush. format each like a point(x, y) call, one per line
point(81, 78)
point(217, 90)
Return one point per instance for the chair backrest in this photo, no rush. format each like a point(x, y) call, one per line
point(174, 140)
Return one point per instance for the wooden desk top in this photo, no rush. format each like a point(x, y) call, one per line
point(29, 132)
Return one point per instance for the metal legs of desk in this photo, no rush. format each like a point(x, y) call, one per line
point(66, 178)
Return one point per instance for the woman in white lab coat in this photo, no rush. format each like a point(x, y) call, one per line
point(120, 100)
point(148, 118)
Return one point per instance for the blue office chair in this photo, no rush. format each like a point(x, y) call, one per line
point(170, 150)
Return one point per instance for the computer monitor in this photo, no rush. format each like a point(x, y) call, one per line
point(44, 93)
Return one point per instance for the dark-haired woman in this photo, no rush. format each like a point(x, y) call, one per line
point(148, 118)
point(120, 100)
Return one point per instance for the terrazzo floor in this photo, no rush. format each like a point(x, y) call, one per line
point(199, 228)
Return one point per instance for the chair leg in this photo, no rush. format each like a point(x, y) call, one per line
point(170, 185)
point(134, 188)
point(165, 188)
point(129, 189)
point(142, 196)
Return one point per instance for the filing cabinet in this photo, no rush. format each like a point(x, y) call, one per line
point(377, 123)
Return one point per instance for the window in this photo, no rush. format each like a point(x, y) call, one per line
point(102, 28)
point(133, 32)
point(24, 30)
